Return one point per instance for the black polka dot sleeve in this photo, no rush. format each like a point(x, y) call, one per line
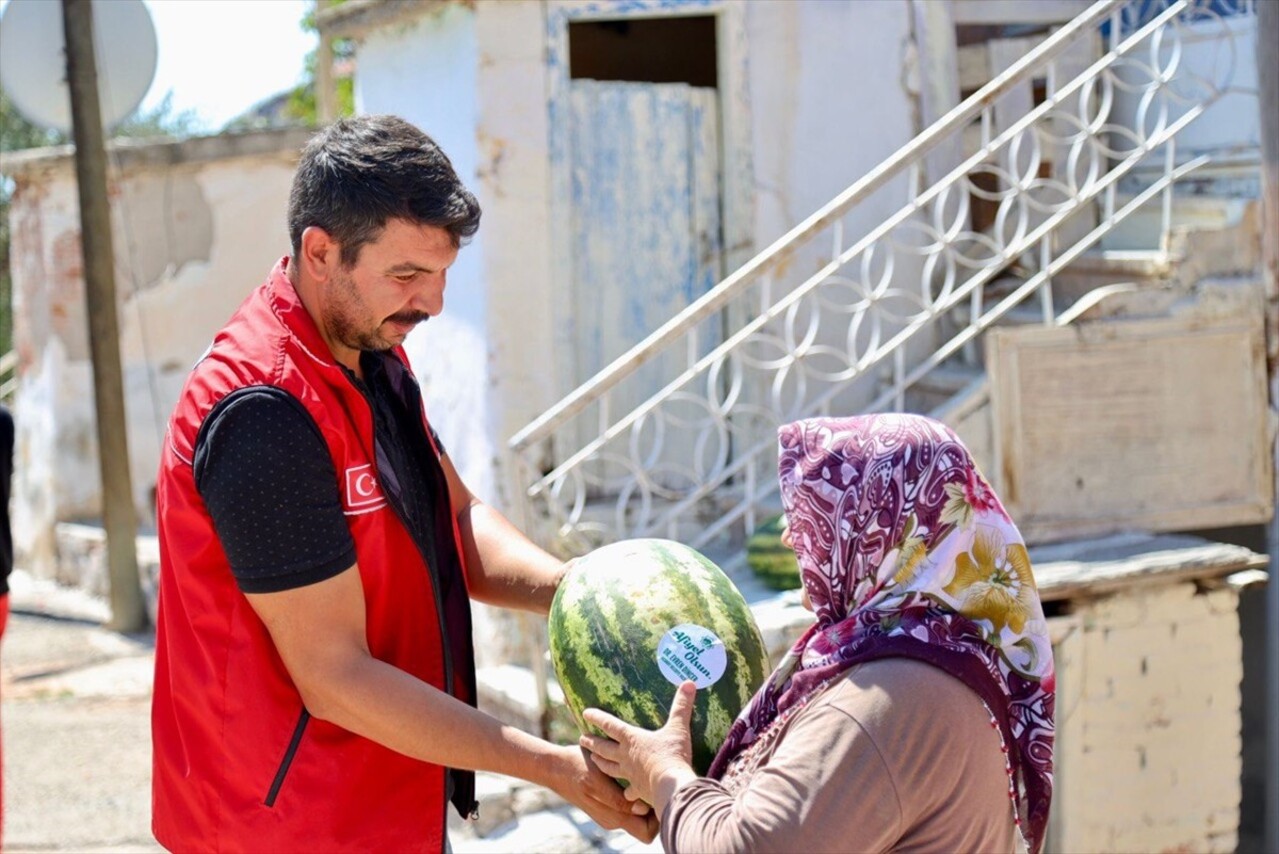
point(266, 475)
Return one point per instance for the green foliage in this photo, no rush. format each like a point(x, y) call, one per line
point(160, 120)
point(17, 133)
point(773, 562)
point(303, 107)
point(302, 102)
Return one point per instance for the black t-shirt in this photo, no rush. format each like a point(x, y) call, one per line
point(267, 478)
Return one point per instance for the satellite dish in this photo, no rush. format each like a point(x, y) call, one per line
point(33, 59)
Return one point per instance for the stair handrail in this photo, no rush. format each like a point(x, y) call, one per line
point(624, 365)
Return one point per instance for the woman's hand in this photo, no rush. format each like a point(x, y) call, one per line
point(656, 763)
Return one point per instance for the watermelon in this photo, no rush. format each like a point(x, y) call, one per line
point(773, 562)
point(633, 619)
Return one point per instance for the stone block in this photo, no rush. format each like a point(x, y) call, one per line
point(1114, 611)
point(1223, 603)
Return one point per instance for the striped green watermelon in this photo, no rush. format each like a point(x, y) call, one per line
point(773, 562)
point(624, 606)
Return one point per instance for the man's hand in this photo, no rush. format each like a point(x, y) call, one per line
point(581, 783)
point(656, 763)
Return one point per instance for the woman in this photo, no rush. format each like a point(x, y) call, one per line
point(917, 713)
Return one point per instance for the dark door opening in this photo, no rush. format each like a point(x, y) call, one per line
point(647, 50)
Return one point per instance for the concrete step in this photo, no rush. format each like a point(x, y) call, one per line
point(948, 378)
point(82, 562)
point(1098, 268)
point(1136, 269)
point(1215, 203)
point(1028, 312)
point(599, 514)
point(509, 693)
point(1122, 264)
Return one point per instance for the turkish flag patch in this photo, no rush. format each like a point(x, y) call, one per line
point(362, 487)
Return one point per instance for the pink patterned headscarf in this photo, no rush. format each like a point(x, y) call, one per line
point(905, 550)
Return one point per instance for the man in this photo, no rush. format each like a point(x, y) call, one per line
point(315, 684)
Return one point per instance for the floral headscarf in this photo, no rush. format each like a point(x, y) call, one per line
point(905, 550)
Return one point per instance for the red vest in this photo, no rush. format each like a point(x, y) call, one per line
point(238, 765)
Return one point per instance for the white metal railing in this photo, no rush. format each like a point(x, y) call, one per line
point(823, 321)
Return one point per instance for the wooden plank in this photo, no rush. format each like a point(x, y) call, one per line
point(1071, 579)
point(631, 215)
point(1157, 424)
point(646, 226)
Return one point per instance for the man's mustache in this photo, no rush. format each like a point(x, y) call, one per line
point(413, 317)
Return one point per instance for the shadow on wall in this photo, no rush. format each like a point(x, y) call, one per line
point(1252, 627)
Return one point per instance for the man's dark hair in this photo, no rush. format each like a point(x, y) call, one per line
point(359, 172)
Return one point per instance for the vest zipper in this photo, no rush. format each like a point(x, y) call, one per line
point(288, 758)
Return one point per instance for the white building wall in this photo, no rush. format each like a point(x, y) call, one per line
point(426, 72)
point(828, 104)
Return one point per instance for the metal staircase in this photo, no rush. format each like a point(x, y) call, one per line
point(826, 321)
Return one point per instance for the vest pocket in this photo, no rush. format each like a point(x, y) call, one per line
point(283, 770)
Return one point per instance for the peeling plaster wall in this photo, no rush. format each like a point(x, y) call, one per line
point(167, 324)
point(191, 240)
